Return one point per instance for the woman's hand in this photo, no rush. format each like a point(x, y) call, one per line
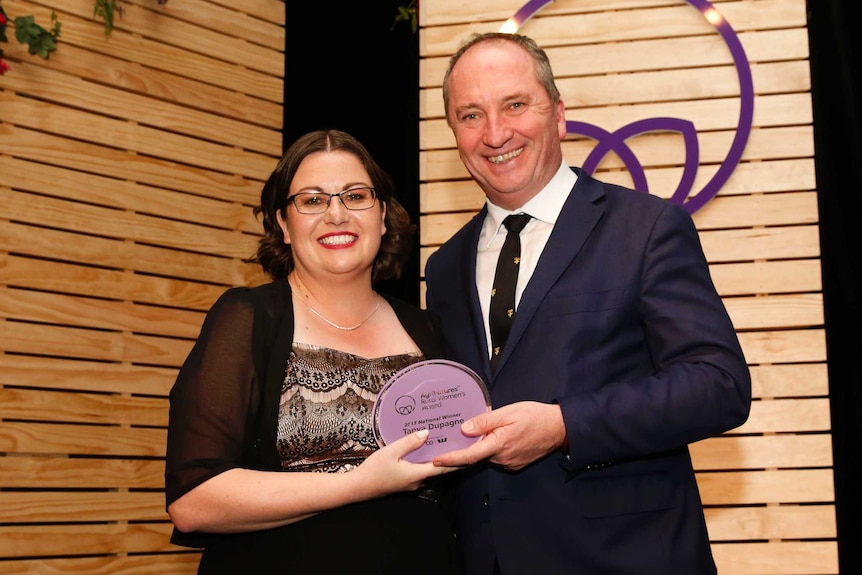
point(386, 471)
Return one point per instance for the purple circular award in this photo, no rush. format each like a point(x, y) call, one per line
point(435, 394)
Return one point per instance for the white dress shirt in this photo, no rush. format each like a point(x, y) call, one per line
point(545, 207)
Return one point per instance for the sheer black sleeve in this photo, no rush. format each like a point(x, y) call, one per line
point(211, 398)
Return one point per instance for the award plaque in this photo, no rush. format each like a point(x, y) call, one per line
point(435, 394)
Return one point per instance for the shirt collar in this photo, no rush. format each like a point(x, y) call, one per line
point(544, 206)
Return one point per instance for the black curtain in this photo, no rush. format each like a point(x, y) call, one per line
point(348, 68)
point(835, 50)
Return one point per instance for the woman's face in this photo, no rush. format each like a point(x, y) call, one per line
point(338, 241)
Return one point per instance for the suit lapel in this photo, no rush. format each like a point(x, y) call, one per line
point(579, 216)
point(467, 252)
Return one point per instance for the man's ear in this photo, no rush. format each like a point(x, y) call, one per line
point(561, 119)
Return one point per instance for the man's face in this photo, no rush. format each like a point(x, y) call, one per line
point(507, 128)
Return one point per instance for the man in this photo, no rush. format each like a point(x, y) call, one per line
point(620, 354)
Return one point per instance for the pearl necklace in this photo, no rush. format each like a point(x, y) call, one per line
point(341, 327)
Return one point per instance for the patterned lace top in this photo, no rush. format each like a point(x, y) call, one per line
point(324, 420)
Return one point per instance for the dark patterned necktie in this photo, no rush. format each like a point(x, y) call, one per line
point(502, 310)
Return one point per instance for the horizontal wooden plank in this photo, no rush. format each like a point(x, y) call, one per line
point(774, 209)
point(747, 178)
point(185, 563)
point(442, 12)
point(211, 210)
point(134, 227)
point(768, 381)
point(766, 347)
point(732, 279)
point(777, 558)
point(46, 148)
point(790, 380)
point(48, 340)
point(90, 440)
point(773, 486)
point(786, 450)
point(69, 342)
point(119, 254)
point(98, 313)
point(773, 277)
point(787, 346)
point(434, 229)
point(264, 27)
point(121, 135)
point(123, 48)
point(624, 57)
point(781, 111)
point(84, 539)
point(788, 415)
point(761, 243)
point(200, 28)
point(78, 506)
point(663, 182)
point(771, 522)
point(157, 84)
point(268, 10)
point(776, 311)
point(450, 196)
point(35, 472)
point(690, 92)
point(79, 375)
point(61, 89)
point(80, 407)
point(717, 114)
point(651, 150)
point(83, 280)
point(619, 26)
point(742, 245)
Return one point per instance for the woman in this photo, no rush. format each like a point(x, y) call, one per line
point(272, 466)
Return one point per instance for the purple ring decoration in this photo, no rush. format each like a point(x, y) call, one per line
point(615, 141)
point(435, 394)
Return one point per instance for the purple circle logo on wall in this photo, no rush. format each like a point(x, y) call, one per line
point(615, 142)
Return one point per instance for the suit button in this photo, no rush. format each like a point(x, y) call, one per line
point(485, 500)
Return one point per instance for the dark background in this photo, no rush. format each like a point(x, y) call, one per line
point(352, 68)
point(835, 86)
point(348, 68)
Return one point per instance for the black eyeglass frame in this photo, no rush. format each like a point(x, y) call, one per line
point(340, 195)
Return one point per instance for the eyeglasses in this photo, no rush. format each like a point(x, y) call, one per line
point(318, 202)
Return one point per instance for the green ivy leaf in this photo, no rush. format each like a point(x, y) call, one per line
point(106, 9)
point(39, 41)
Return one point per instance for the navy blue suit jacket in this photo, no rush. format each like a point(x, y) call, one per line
point(622, 326)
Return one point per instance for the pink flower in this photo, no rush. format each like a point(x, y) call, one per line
point(2, 19)
point(3, 66)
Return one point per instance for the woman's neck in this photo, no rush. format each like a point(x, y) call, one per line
point(342, 305)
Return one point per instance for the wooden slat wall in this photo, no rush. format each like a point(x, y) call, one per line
point(128, 169)
point(767, 486)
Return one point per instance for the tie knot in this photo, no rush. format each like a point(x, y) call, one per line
point(516, 222)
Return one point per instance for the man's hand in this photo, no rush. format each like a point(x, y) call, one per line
point(514, 436)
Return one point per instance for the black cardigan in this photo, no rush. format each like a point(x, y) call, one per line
point(224, 403)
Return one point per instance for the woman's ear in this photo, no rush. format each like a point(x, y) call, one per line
point(283, 225)
point(383, 219)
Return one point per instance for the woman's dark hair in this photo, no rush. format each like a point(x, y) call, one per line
point(276, 258)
